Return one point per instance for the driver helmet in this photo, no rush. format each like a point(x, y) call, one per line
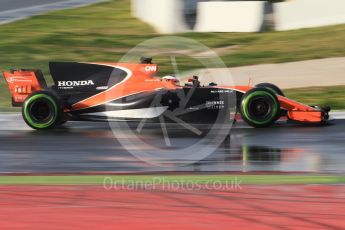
point(172, 79)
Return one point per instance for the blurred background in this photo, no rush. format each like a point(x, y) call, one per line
point(242, 33)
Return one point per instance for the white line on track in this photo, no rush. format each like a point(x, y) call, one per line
point(337, 115)
point(22, 13)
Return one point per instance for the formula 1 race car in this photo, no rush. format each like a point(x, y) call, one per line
point(129, 92)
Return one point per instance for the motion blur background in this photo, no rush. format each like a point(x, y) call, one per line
point(240, 32)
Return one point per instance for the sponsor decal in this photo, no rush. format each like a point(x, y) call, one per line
point(71, 84)
point(17, 79)
point(102, 87)
point(19, 98)
point(150, 68)
point(215, 104)
point(222, 91)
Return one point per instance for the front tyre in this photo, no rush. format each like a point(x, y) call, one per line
point(260, 107)
point(42, 110)
point(272, 87)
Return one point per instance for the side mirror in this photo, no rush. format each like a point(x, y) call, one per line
point(146, 60)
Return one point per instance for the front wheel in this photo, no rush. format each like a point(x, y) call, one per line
point(260, 107)
point(272, 87)
point(42, 110)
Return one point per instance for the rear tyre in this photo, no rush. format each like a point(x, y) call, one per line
point(272, 87)
point(260, 107)
point(42, 110)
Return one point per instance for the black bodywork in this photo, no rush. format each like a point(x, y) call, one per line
point(191, 103)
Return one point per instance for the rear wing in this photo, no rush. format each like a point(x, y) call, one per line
point(22, 83)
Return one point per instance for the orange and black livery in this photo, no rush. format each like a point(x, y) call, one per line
point(131, 92)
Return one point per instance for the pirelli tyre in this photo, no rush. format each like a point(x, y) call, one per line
point(260, 107)
point(42, 110)
point(272, 87)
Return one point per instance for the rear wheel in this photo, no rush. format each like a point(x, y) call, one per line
point(260, 107)
point(42, 110)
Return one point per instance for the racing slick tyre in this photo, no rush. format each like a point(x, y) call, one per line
point(272, 87)
point(42, 110)
point(260, 107)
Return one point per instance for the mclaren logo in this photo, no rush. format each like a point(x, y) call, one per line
point(74, 83)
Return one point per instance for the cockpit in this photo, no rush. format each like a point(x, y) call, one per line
point(171, 79)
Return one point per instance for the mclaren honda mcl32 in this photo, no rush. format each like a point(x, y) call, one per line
point(130, 92)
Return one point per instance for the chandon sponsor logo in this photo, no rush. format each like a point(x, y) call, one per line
point(75, 83)
point(17, 79)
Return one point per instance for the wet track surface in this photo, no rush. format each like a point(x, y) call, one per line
point(92, 147)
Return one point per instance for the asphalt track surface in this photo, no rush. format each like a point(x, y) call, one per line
point(18, 4)
point(91, 147)
point(13, 10)
point(251, 207)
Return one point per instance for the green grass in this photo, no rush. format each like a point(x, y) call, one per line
point(106, 31)
point(182, 179)
point(333, 96)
